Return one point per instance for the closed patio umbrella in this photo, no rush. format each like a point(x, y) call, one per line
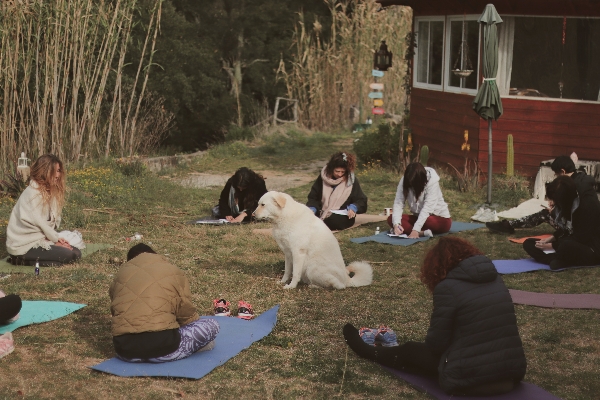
point(487, 102)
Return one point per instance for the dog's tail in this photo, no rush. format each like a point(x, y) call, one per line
point(363, 273)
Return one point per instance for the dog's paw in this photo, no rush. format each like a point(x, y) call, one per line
point(289, 286)
point(284, 280)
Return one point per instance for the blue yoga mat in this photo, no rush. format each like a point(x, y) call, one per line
point(235, 335)
point(506, 267)
point(384, 238)
point(36, 312)
point(429, 385)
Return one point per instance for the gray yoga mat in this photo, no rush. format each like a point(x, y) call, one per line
point(549, 300)
point(8, 268)
point(506, 267)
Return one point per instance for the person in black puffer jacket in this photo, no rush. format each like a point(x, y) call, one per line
point(579, 212)
point(239, 198)
point(473, 343)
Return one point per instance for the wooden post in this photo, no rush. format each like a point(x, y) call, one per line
point(276, 111)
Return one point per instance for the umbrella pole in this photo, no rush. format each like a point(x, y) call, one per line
point(489, 184)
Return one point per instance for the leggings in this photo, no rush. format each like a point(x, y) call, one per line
point(57, 255)
point(337, 222)
point(569, 253)
point(194, 336)
point(533, 220)
point(9, 307)
point(416, 358)
point(436, 224)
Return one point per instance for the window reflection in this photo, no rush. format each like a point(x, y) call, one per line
point(467, 57)
point(430, 50)
point(544, 66)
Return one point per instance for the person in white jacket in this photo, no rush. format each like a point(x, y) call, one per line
point(421, 189)
point(31, 232)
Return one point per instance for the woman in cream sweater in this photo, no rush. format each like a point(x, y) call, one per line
point(31, 233)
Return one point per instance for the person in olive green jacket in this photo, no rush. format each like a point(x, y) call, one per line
point(153, 318)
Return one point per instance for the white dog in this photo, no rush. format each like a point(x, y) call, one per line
point(312, 253)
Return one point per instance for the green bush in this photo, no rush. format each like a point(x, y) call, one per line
point(379, 146)
point(239, 133)
point(510, 190)
point(133, 168)
point(227, 150)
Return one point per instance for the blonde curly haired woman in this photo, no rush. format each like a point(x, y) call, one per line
point(31, 232)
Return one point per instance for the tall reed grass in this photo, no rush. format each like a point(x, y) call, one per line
point(61, 79)
point(329, 77)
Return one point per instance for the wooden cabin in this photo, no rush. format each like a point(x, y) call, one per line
point(549, 80)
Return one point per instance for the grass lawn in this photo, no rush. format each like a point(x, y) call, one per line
point(305, 356)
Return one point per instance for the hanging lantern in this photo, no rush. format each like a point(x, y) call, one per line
point(382, 59)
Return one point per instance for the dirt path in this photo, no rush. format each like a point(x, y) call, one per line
point(276, 180)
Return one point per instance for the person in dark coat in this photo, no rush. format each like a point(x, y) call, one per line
point(578, 213)
point(336, 196)
point(10, 305)
point(472, 344)
point(239, 198)
point(561, 166)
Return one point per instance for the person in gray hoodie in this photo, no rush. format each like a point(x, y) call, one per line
point(420, 188)
point(472, 344)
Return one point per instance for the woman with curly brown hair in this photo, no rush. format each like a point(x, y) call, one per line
point(31, 232)
point(472, 344)
point(336, 196)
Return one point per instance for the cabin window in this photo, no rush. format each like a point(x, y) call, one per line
point(429, 53)
point(462, 46)
point(550, 57)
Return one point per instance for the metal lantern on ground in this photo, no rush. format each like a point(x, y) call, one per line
point(382, 59)
point(23, 166)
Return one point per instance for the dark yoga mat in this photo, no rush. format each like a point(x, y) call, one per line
point(430, 386)
point(549, 300)
point(234, 335)
point(526, 265)
point(8, 268)
point(385, 239)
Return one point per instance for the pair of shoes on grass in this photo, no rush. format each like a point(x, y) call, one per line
point(244, 311)
point(382, 336)
point(426, 232)
point(7, 344)
point(500, 226)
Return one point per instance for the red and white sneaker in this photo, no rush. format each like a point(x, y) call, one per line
point(221, 308)
point(7, 344)
point(245, 310)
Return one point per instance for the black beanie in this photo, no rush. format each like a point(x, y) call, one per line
point(139, 249)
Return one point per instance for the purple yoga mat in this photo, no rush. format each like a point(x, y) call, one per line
point(549, 300)
point(527, 265)
point(430, 386)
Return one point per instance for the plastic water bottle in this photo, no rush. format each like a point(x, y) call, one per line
point(37, 268)
point(377, 231)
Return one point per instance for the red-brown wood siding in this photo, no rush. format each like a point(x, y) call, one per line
point(569, 8)
point(439, 119)
point(541, 130)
